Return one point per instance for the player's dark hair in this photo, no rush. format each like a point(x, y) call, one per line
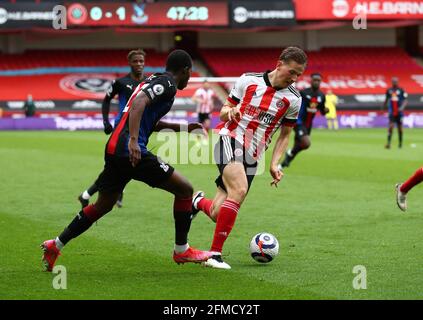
point(178, 60)
point(134, 52)
point(293, 53)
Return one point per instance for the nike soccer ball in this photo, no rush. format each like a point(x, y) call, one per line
point(264, 247)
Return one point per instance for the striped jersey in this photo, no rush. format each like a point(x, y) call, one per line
point(160, 88)
point(312, 101)
point(263, 110)
point(206, 97)
point(395, 97)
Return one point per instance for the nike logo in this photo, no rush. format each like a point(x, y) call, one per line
point(129, 86)
point(170, 84)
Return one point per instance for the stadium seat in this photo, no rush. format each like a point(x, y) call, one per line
point(73, 58)
point(233, 62)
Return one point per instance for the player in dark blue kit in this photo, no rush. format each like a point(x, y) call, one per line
point(396, 100)
point(123, 87)
point(127, 158)
point(313, 100)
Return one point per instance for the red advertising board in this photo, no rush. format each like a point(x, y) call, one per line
point(349, 9)
point(148, 14)
point(365, 81)
point(65, 86)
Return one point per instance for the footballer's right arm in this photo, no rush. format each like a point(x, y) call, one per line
point(135, 115)
point(386, 100)
point(229, 112)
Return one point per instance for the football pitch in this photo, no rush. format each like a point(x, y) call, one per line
point(334, 210)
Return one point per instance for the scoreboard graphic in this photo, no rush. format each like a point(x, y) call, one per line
point(148, 14)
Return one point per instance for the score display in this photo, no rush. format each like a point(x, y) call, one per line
point(148, 14)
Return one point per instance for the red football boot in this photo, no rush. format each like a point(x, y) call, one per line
point(50, 255)
point(191, 255)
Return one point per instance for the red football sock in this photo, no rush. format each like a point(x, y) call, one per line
point(205, 205)
point(416, 178)
point(91, 213)
point(225, 221)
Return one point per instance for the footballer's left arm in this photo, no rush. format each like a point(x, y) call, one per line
point(176, 127)
point(324, 109)
point(404, 102)
point(279, 149)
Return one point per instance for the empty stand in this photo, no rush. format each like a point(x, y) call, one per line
point(73, 58)
point(233, 62)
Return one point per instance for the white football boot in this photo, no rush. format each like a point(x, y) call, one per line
point(401, 197)
point(215, 261)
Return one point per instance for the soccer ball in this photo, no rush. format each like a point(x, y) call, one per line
point(264, 247)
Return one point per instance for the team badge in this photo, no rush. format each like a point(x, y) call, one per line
point(284, 102)
point(91, 86)
point(139, 16)
point(279, 104)
point(158, 89)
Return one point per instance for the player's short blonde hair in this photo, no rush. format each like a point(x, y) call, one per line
point(134, 52)
point(293, 53)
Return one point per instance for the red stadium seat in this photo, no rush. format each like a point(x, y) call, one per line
point(73, 58)
point(233, 62)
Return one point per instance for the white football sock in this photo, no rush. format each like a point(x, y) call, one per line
point(86, 195)
point(289, 152)
point(181, 248)
point(59, 244)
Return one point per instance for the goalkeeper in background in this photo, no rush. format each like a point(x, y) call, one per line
point(330, 103)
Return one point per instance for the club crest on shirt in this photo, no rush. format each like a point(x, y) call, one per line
point(284, 102)
point(158, 89)
point(280, 103)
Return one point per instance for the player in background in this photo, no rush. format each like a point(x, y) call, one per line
point(331, 117)
point(258, 105)
point(29, 107)
point(123, 87)
point(204, 98)
point(127, 158)
point(402, 189)
point(313, 100)
point(396, 100)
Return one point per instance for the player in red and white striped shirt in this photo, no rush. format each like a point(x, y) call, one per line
point(204, 97)
point(257, 106)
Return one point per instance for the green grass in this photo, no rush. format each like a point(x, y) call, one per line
point(334, 209)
